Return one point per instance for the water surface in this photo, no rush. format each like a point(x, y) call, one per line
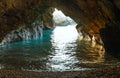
point(57, 50)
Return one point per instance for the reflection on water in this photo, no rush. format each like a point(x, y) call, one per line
point(90, 54)
point(57, 50)
point(64, 44)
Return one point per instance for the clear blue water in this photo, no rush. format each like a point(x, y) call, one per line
point(57, 50)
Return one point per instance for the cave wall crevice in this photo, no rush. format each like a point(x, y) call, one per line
point(111, 39)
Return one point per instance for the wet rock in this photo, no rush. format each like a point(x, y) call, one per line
point(24, 33)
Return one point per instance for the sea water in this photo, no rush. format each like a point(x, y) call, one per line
point(57, 49)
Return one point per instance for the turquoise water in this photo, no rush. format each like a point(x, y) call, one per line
point(56, 50)
point(53, 51)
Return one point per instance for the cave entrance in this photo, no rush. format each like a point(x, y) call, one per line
point(60, 19)
point(65, 27)
point(63, 40)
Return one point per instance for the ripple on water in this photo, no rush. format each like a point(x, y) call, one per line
point(57, 50)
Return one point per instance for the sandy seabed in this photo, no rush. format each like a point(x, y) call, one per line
point(106, 72)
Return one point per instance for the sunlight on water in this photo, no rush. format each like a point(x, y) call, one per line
point(63, 39)
point(64, 35)
point(54, 51)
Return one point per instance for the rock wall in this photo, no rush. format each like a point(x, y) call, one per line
point(91, 15)
point(98, 18)
point(24, 33)
point(16, 13)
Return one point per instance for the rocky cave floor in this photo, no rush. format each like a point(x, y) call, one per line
point(106, 72)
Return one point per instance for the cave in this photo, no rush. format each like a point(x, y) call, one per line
point(32, 22)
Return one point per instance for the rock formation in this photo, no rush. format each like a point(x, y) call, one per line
point(60, 19)
point(98, 18)
point(24, 33)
